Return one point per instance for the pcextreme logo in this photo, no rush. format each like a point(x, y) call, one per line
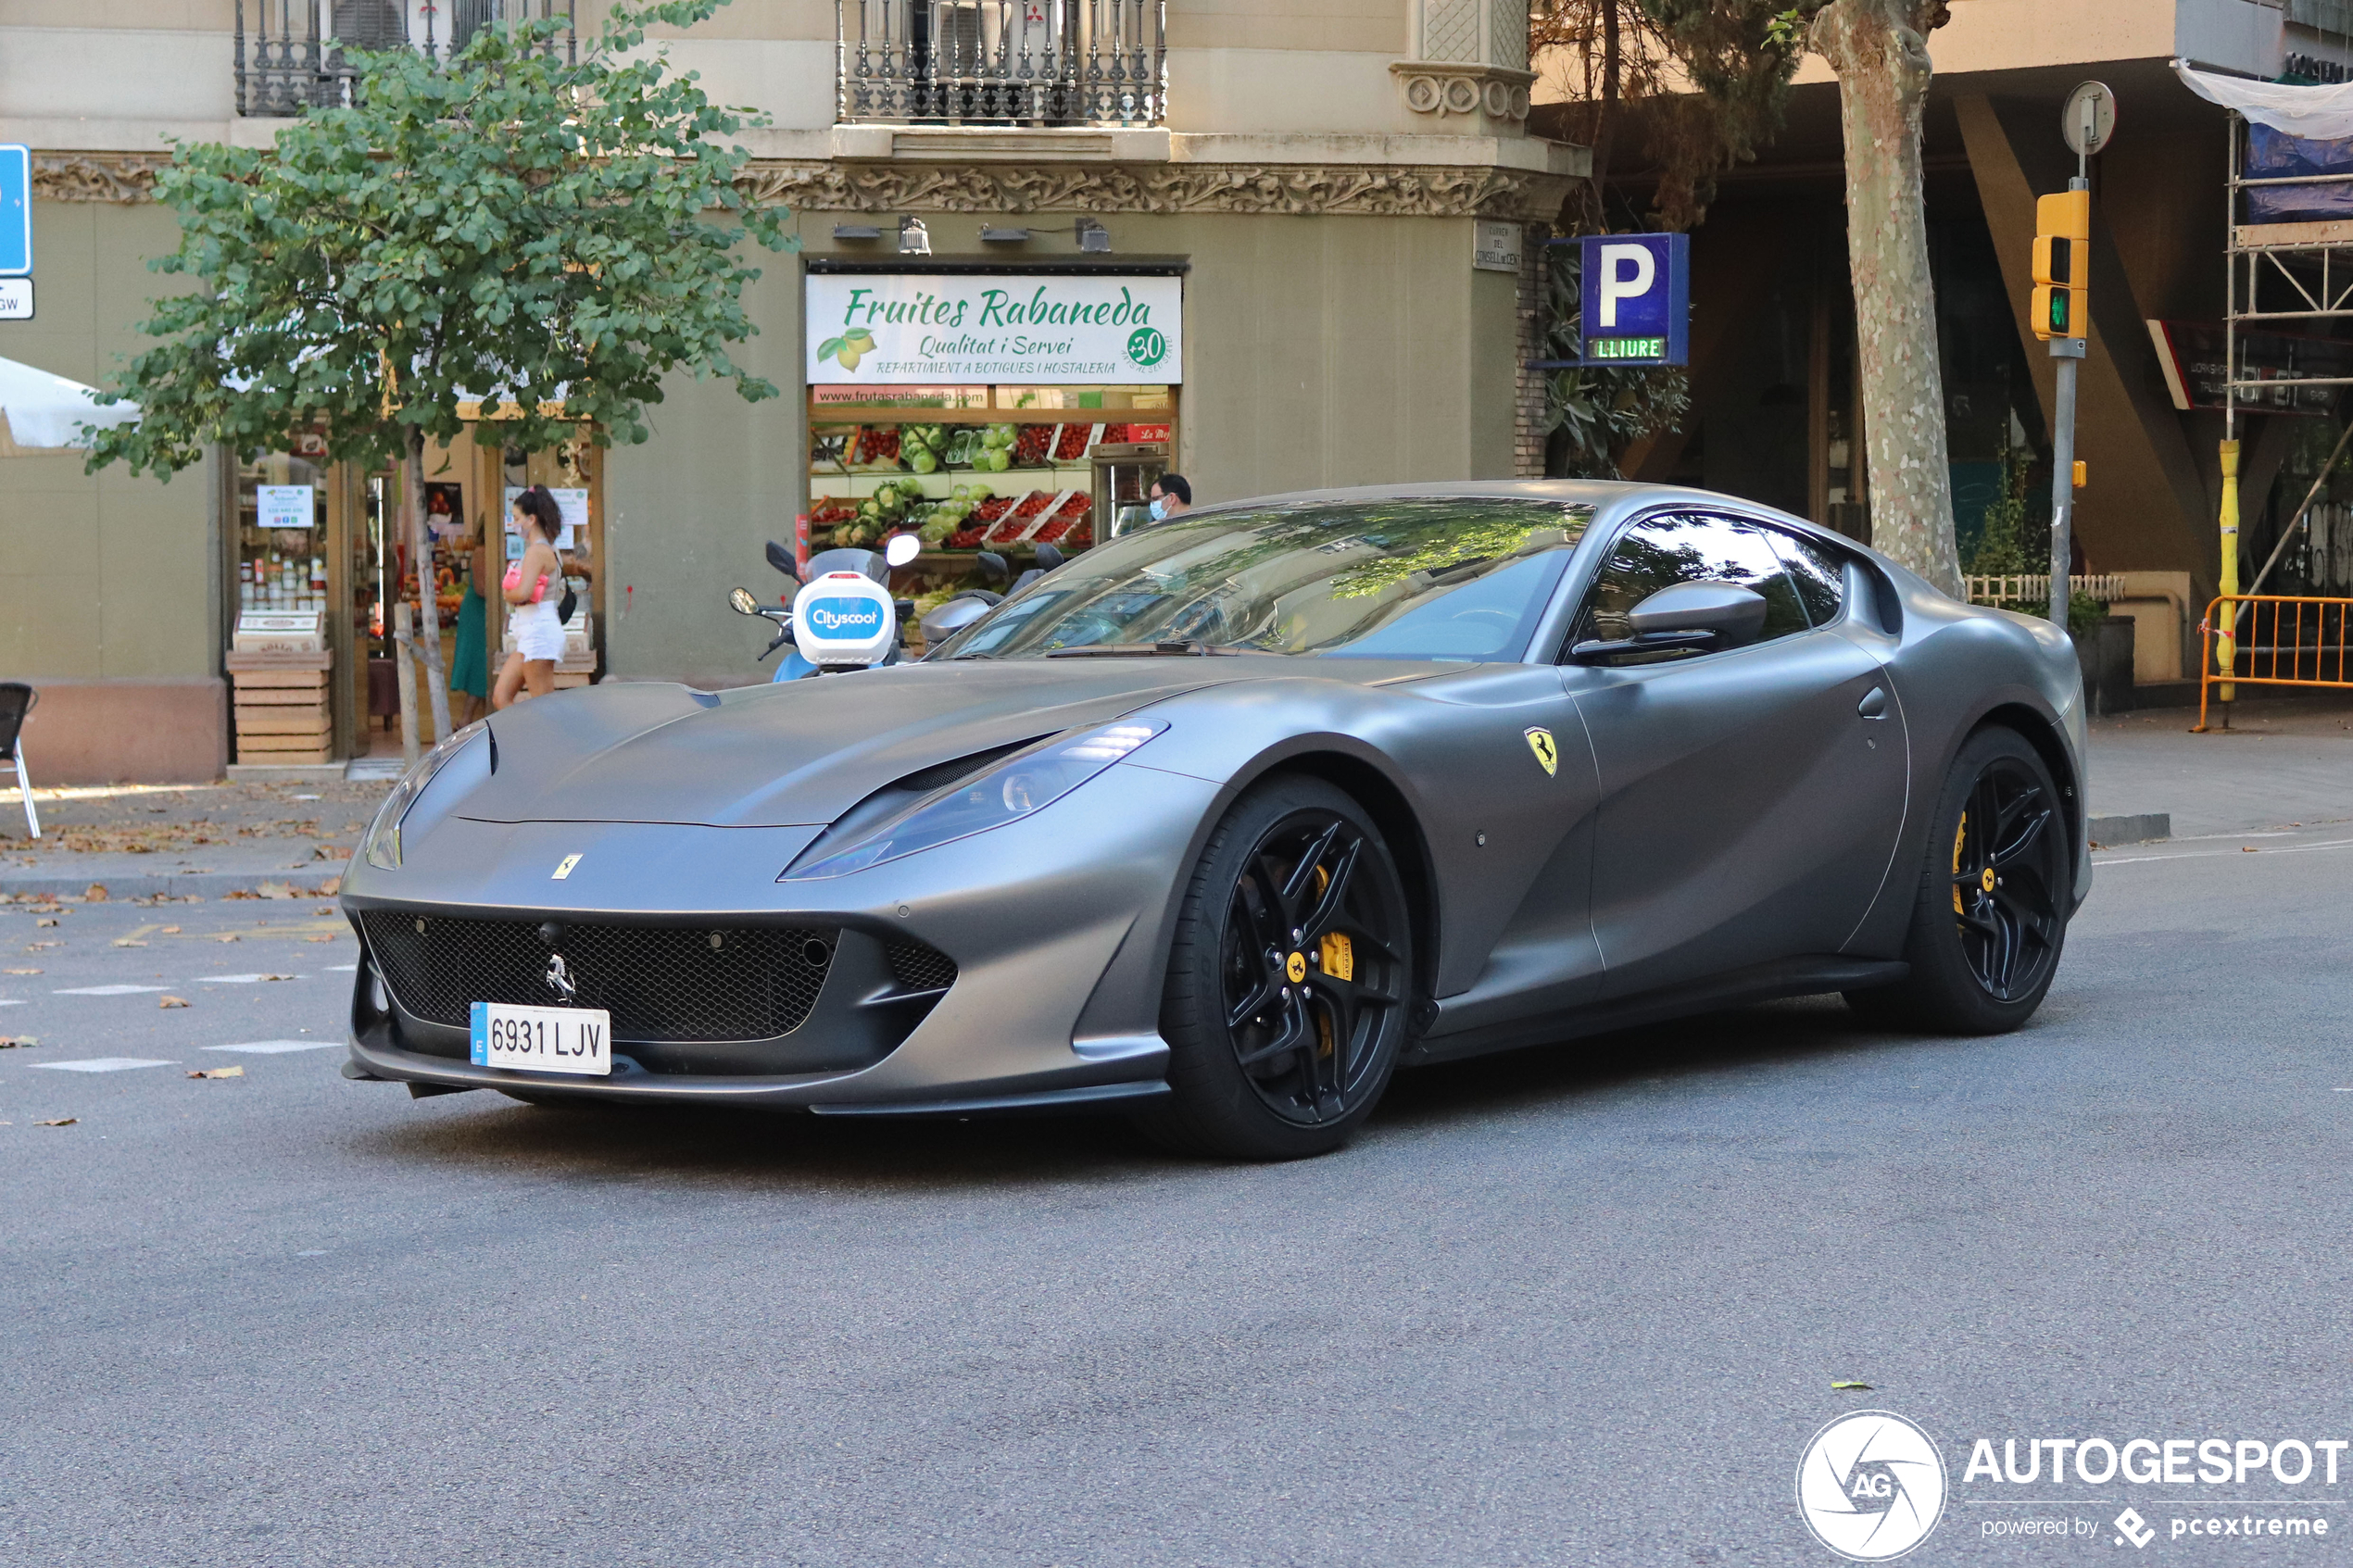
point(1871, 1486)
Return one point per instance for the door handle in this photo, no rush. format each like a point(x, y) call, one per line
point(1874, 703)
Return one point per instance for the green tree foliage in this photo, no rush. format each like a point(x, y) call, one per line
point(1594, 413)
point(504, 226)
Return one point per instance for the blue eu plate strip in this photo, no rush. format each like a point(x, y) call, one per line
point(482, 1034)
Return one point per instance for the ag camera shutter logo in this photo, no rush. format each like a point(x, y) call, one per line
point(1871, 1485)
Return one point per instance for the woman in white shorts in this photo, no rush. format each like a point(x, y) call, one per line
point(533, 585)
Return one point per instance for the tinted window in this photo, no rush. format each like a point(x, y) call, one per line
point(1820, 574)
point(1417, 577)
point(1690, 547)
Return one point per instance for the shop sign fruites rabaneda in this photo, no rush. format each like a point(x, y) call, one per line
point(923, 329)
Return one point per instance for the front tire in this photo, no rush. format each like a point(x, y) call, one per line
point(1287, 999)
point(1990, 914)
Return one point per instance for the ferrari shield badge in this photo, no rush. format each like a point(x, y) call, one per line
point(1540, 741)
point(564, 869)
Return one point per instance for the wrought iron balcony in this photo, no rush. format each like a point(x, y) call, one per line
point(1003, 62)
point(292, 56)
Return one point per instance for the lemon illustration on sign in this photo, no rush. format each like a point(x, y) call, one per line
point(849, 349)
point(1540, 741)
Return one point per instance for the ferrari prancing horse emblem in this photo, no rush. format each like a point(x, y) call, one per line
point(1540, 741)
point(564, 869)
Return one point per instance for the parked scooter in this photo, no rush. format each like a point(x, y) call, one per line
point(961, 611)
point(842, 617)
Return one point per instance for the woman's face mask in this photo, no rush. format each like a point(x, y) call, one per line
point(1159, 509)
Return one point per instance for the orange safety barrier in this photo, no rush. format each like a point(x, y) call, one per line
point(2272, 640)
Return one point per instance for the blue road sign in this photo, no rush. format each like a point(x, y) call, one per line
point(1636, 299)
point(16, 212)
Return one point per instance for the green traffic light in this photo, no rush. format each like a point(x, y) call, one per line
point(2058, 311)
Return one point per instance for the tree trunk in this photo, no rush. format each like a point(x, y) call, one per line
point(412, 483)
point(1880, 50)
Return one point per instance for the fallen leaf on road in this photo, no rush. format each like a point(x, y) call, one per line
point(174, 1002)
point(330, 887)
point(326, 938)
point(10, 1042)
point(2247, 848)
point(274, 890)
point(1859, 1387)
point(277, 977)
point(226, 937)
point(41, 946)
point(19, 972)
point(219, 1073)
point(95, 894)
point(60, 1121)
point(170, 930)
point(324, 909)
point(48, 920)
point(128, 942)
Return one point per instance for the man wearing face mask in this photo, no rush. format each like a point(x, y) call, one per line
point(1170, 494)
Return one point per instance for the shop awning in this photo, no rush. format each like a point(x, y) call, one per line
point(41, 413)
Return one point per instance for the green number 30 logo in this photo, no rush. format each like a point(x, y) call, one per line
point(1146, 346)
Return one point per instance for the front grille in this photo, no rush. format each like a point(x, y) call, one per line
point(660, 983)
point(920, 967)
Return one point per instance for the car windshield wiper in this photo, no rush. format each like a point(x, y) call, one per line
point(1187, 648)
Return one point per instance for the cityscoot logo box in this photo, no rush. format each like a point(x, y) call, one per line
point(920, 329)
point(1872, 1485)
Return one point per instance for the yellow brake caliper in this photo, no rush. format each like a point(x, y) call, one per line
point(1959, 834)
point(1336, 959)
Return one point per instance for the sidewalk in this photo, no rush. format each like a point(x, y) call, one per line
point(138, 840)
point(2285, 762)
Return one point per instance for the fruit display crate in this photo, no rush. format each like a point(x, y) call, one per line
point(281, 707)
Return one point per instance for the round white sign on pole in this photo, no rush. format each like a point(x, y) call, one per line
point(2089, 119)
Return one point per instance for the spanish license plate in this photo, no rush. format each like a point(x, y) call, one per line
point(543, 1039)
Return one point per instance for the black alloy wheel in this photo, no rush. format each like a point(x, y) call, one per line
point(1288, 992)
point(1989, 918)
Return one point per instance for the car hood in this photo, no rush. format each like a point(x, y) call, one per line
point(800, 753)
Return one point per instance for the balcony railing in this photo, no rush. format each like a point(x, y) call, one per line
point(291, 57)
point(1003, 62)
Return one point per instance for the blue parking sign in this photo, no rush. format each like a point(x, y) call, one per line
point(16, 212)
point(1636, 299)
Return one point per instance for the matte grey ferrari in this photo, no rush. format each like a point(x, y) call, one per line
point(1223, 822)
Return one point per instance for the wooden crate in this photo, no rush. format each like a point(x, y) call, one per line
point(281, 709)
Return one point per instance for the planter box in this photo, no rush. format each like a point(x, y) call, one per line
point(2106, 654)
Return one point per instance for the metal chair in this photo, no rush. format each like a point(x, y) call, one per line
point(17, 700)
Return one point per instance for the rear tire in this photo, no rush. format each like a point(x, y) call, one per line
point(1989, 914)
point(1288, 983)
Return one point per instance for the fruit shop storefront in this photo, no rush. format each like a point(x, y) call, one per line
point(987, 408)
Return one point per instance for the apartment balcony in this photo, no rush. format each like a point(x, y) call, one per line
point(290, 53)
point(1003, 62)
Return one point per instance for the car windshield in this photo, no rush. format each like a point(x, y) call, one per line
point(1459, 579)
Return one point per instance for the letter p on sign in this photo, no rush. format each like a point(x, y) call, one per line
point(1636, 299)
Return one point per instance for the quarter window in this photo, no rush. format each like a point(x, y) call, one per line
point(1688, 547)
point(1820, 574)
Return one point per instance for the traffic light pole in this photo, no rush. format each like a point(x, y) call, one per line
point(2069, 351)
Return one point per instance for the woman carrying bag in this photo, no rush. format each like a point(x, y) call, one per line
point(535, 586)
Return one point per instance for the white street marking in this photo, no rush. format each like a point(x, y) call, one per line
point(105, 990)
point(2209, 853)
point(105, 1064)
point(11, 1001)
point(274, 1048)
point(344, 968)
point(241, 979)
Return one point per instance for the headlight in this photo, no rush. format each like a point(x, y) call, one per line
point(381, 845)
point(1007, 793)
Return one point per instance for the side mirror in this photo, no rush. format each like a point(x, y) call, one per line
point(782, 559)
point(1049, 558)
point(1700, 617)
point(902, 548)
point(742, 602)
point(992, 567)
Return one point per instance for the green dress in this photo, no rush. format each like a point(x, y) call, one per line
point(470, 665)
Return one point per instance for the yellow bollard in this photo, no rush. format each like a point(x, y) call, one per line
point(2226, 643)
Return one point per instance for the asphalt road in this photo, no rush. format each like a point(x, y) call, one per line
point(1580, 1305)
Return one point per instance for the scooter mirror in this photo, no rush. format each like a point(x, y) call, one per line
point(1049, 558)
point(951, 617)
point(781, 558)
point(902, 548)
point(741, 600)
point(992, 567)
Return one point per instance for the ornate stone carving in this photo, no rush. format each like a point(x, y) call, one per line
point(1433, 87)
point(1416, 191)
point(122, 178)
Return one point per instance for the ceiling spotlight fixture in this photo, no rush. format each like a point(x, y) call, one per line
point(913, 238)
point(1093, 237)
point(992, 236)
point(856, 231)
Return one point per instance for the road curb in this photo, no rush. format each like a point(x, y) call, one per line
point(306, 883)
point(2105, 833)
